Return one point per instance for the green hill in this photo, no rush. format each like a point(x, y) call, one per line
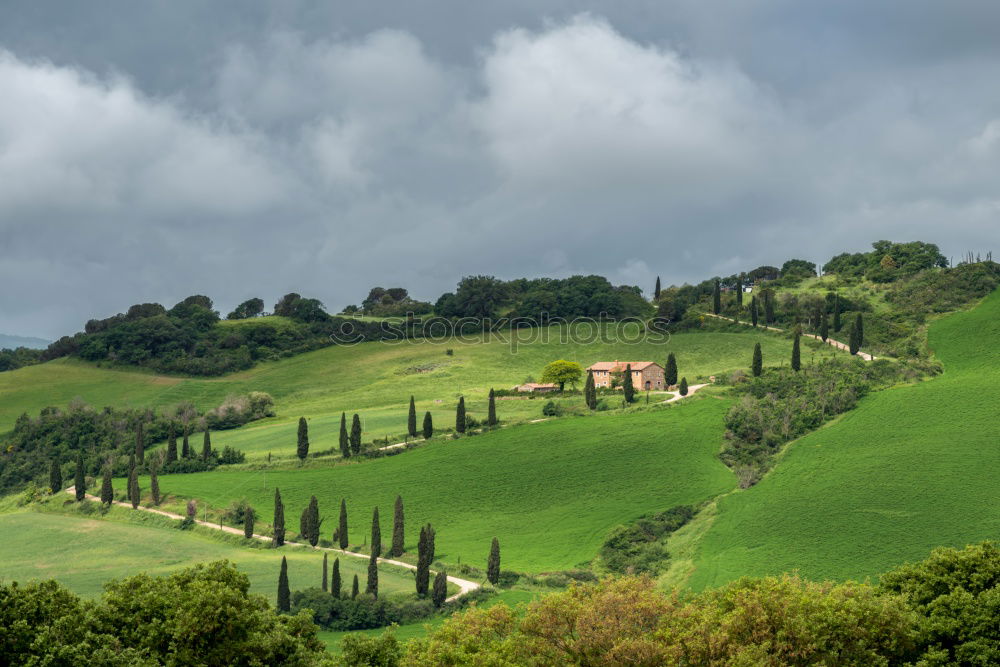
point(910, 469)
point(550, 491)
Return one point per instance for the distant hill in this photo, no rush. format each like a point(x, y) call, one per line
point(12, 342)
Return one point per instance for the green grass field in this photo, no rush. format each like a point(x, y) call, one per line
point(910, 469)
point(84, 552)
point(550, 491)
point(373, 379)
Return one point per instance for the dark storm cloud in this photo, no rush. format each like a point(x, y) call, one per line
point(153, 150)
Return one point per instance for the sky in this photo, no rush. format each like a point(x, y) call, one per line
point(153, 150)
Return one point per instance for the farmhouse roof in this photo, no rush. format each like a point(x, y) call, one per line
point(539, 385)
point(620, 365)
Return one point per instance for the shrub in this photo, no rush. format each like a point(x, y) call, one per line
point(552, 409)
point(361, 613)
point(638, 548)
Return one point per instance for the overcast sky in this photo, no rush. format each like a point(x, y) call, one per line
point(152, 150)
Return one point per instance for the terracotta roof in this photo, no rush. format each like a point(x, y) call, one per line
point(620, 365)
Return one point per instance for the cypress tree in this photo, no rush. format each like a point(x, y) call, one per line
point(493, 564)
point(430, 544)
point(411, 419)
point(206, 446)
point(768, 306)
point(313, 521)
point(279, 520)
point(154, 482)
point(628, 388)
point(354, 588)
point(133, 487)
point(491, 414)
point(590, 391)
point(80, 480)
point(716, 298)
point(356, 434)
point(55, 477)
point(683, 389)
point(376, 546)
point(796, 352)
point(440, 592)
point(656, 290)
point(670, 373)
point(335, 583)
point(371, 587)
point(857, 335)
point(284, 594)
point(757, 367)
point(304, 525)
point(398, 536)
point(107, 492)
point(345, 443)
point(428, 426)
point(753, 310)
point(342, 529)
point(460, 415)
point(302, 450)
point(824, 327)
point(325, 583)
point(423, 564)
point(739, 292)
point(186, 447)
point(140, 442)
point(836, 313)
point(171, 442)
point(248, 519)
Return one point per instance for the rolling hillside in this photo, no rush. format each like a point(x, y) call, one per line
point(910, 469)
point(550, 491)
point(374, 379)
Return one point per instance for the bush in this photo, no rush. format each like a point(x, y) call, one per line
point(552, 409)
point(382, 650)
point(230, 456)
point(638, 548)
point(362, 613)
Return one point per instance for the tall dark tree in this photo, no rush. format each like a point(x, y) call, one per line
point(656, 290)
point(279, 520)
point(248, 520)
point(411, 419)
point(356, 434)
point(628, 388)
point(335, 582)
point(491, 413)
point(304, 524)
point(154, 481)
point(55, 477)
point(302, 449)
point(398, 529)
point(355, 589)
point(342, 526)
point(757, 366)
point(739, 292)
point(206, 446)
point(107, 492)
point(428, 426)
point(326, 584)
point(185, 445)
point(376, 545)
point(80, 479)
point(133, 487)
point(753, 310)
point(284, 593)
point(460, 415)
point(796, 351)
point(590, 391)
point(345, 441)
point(683, 388)
point(423, 562)
point(857, 335)
point(493, 564)
point(440, 591)
point(716, 298)
point(140, 442)
point(670, 372)
point(430, 544)
point(371, 587)
point(824, 327)
point(313, 521)
point(171, 442)
point(768, 306)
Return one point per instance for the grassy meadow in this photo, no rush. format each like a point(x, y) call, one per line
point(550, 491)
point(910, 469)
point(374, 379)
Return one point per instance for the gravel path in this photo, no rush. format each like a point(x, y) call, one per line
point(829, 341)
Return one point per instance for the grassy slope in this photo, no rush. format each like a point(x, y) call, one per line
point(550, 491)
point(84, 552)
point(912, 468)
point(374, 379)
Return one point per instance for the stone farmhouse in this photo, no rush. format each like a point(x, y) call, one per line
point(535, 387)
point(645, 374)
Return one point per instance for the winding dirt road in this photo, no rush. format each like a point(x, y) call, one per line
point(829, 341)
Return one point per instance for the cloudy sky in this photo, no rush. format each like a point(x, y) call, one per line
point(151, 150)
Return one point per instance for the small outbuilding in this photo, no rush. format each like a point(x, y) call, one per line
point(536, 387)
